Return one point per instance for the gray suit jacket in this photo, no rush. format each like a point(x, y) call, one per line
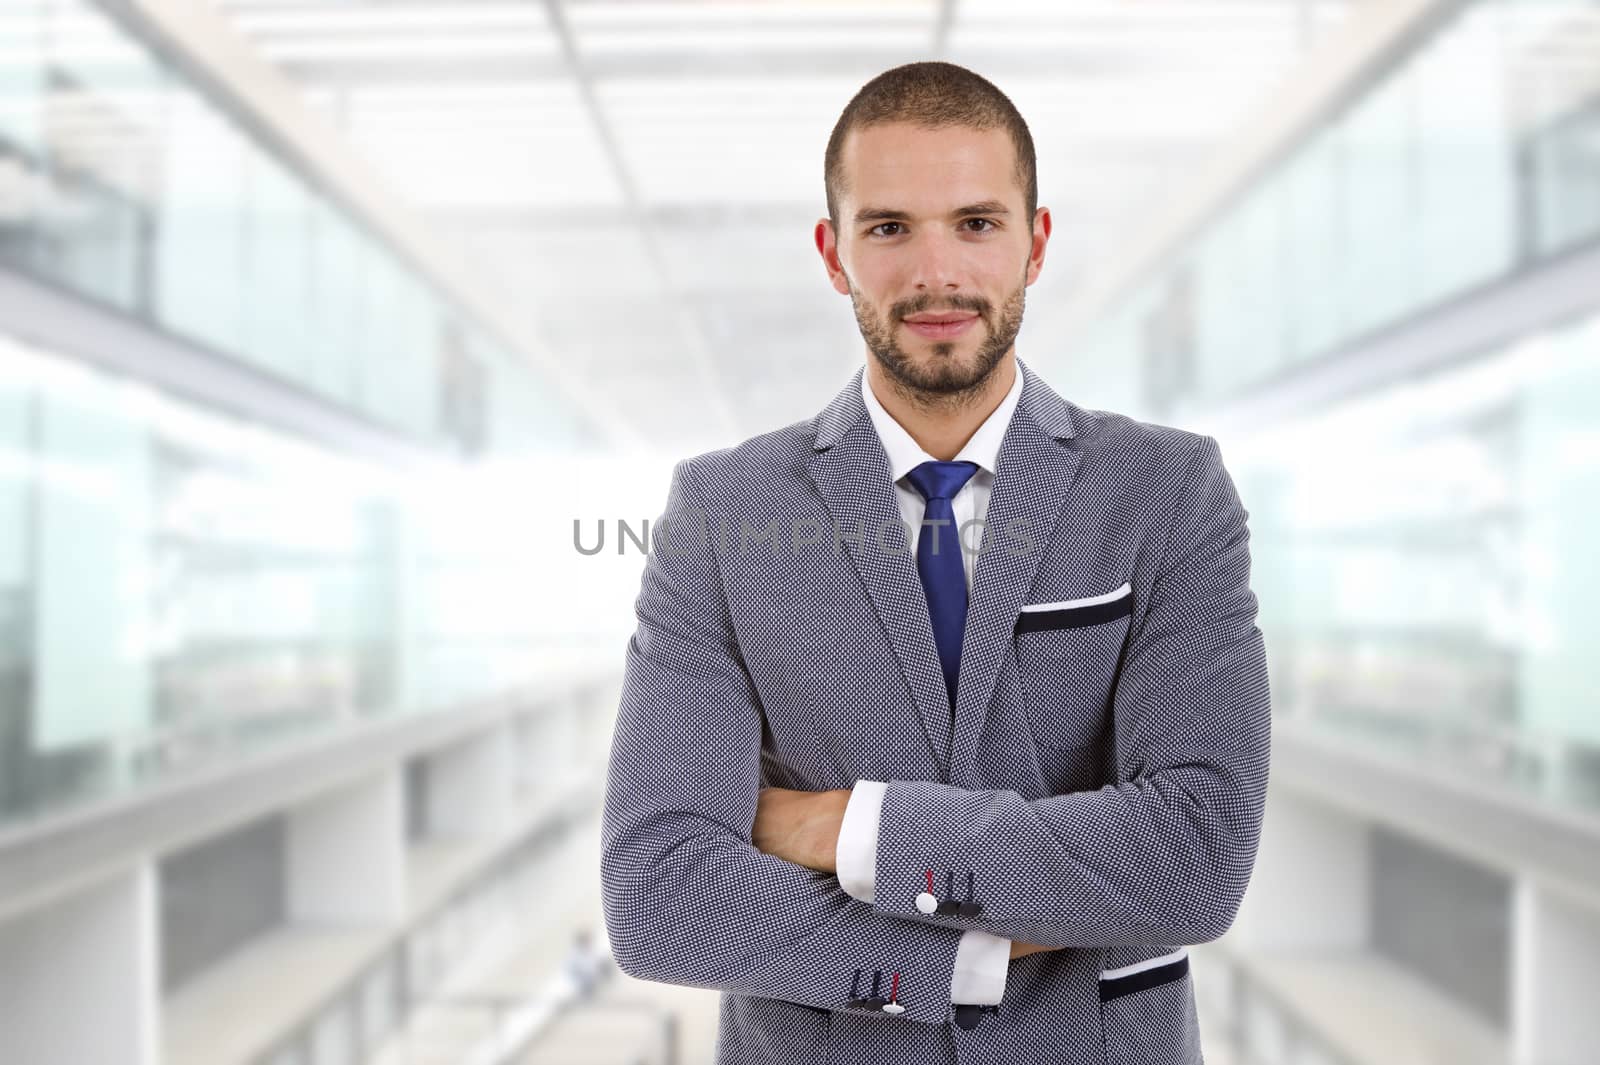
point(1102, 775)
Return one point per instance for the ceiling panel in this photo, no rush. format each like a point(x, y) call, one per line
point(641, 178)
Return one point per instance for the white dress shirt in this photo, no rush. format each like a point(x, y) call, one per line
point(982, 959)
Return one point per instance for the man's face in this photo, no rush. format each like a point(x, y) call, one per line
point(933, 251)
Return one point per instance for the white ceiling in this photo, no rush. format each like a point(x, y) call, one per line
point(641, 178)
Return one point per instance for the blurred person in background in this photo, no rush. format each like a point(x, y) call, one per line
point(586, 967)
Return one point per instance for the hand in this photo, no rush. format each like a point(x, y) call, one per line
point(1020, 949)
point(800, 826)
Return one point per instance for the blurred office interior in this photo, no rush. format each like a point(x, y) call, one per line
point(327, 325)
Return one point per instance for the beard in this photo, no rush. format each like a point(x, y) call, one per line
point(943, 378)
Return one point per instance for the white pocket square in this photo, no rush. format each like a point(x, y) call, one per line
point(1092, 600)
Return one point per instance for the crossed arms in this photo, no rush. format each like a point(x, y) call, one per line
point(1160, 857)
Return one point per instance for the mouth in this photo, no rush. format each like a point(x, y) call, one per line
point(941, 327)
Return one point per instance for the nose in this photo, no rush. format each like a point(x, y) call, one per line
point(938, 263)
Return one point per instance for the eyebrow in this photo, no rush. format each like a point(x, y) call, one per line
point(889, 214)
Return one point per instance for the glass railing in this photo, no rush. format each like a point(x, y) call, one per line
point(1469, 160)
point(1421, 551)
point(179, 587)
point(1423, 559)
point(123, 182)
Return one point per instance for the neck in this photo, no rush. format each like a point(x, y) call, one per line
point(942, 424)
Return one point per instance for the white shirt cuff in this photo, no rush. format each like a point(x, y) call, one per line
point(856, 854)
point(982, 961)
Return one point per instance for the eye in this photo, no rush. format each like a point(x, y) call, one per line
point(880, 225)
point(985, 221)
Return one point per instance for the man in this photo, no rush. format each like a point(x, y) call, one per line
point(908, 799)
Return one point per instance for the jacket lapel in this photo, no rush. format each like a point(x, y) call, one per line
point(1033, 471)
point(851, 471)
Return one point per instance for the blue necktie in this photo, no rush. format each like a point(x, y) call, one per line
point(943, 577)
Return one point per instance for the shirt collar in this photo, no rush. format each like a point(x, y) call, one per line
point(905, 454)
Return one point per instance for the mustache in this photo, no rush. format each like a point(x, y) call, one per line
point(973, 305)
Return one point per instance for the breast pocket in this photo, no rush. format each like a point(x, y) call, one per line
point(1147, 1012)
point(1068, 653)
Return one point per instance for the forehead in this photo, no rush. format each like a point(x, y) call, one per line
point(902, 165)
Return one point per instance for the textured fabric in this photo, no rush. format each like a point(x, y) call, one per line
point(1102, 776)
point(943, 581)
point(981, 960)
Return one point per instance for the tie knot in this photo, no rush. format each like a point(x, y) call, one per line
point(941, 480)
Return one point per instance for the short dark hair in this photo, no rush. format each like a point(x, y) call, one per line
point(932, 95)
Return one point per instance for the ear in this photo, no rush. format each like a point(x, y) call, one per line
point(828, 248)
point(1041, 236)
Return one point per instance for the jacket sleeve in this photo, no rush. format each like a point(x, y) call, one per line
point(687, 898)
point(982, 962)
point(1163, 855)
